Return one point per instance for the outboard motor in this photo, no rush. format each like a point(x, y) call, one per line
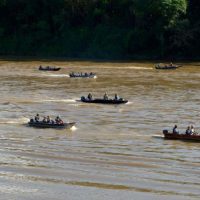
point(82, 98)
point(165, 131)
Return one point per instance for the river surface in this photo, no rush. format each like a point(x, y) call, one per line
point(113, 152)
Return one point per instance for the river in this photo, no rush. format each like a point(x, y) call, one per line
point(113, 152)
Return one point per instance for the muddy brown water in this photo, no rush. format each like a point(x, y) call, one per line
point(113, 152)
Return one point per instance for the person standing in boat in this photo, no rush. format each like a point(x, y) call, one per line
point(37, 117)
point(105, 97)
point(175, 131)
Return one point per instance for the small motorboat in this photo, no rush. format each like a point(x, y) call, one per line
point(82, 75)
point(158, 66)
point(41, 124)
point(48, 68)
point(104, 101)
point(183, 136)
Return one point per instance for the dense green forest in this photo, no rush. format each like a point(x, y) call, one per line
point(100, 29)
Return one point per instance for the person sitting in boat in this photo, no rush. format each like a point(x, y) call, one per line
point(44, 120)
point(89, 96)
point(175, 131)
point(188, 131)
point(116, 97)
point(37, 117)
point(192, 130)
point(58, 120)
point(48, 119)
point(105, 97)
point(171, 64)
point(61, 121)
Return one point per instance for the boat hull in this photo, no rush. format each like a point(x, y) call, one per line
point(47, 125)
point(83, 76)
point(49, 69)
point(172, 136)
point(103, 101)
point(166, 67)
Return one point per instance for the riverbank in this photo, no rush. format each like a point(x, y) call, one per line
point(67, 59)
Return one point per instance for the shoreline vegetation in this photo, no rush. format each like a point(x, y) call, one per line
point(63, 59)
point(100, 30)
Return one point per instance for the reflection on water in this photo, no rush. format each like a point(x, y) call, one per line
point(114, 152)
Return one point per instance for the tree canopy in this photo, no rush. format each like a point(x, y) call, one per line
point(107, 29)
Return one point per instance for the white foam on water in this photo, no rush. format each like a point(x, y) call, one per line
point(15, 189)
point(48, 100)
point(134, 67)
point(141, 135)
point(158, 136)
point(55, 75)
point(128, 67)
point(75, 105)
point(74, 128)
point(59, 100)
point(14, 121)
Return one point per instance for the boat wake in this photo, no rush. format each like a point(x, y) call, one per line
point(158, 136)
point(47, 100)
point(55, 75)
point(59, 100)
point(129, 103)
point(74, 128)
point(22, 120)
point(135, 67)
point(128, 67)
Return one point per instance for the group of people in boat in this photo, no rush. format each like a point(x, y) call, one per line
point(166, 66)
point(189, 131)
point(82, 74)
point(47, 67)
point(47, 119)
point(105, 97)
